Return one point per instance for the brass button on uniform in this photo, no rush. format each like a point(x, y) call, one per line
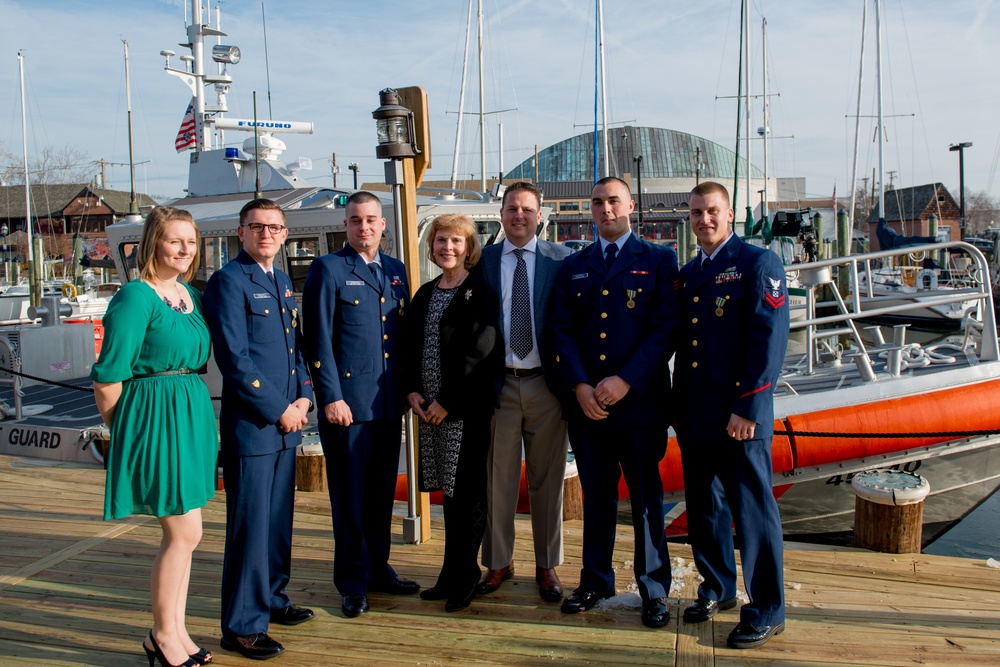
point(293, 371)
point(603, 357)
point(604, 315)
point(291, 351)
point(737, 384)
point(694, 364)
point(382, 300)
point(604, 292)
point(347, 374)
point(383, 318)
point(694, 343)
point(385, 336)
point(267, 312)
point(282, 311)
point(604, 335)
point(386, 355)
point(286, 329)
point(696, 299)
point(694, 320)
point(356, 302)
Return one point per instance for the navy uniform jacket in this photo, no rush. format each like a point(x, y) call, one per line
point(548, 258)
point(256, 343)
point(595, 334)
point(352, 327)
point(735, 324)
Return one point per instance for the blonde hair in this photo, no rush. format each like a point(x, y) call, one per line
point(463, 224)
point(153, 231)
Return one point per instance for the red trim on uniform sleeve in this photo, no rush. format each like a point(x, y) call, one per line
point(775, 301)
point(756, 391)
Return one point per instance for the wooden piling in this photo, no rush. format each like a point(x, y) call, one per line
point(889, 511)
point(310, 468)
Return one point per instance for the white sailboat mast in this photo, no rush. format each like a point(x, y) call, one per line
point(461, 102)
point(482, 107)
point(24, 144)
point(604, 87)
point(746, 68)
point(767, 128)
point(878, 87)
point(857, 118)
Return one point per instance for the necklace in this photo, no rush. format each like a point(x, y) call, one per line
point(453, 284)
point(181, 306)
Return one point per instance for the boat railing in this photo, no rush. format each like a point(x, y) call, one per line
point(823, 274)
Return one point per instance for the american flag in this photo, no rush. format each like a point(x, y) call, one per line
point(185, 140)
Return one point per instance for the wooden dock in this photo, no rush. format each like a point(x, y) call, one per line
point(74, 591)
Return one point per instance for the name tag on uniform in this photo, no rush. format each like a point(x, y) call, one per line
point(262, 296)
point(577, 276)
point(355, 282)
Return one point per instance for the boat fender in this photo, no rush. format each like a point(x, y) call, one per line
point(927, 279)
point(69, 290)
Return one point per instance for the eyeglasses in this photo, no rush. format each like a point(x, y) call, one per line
point(258, 228)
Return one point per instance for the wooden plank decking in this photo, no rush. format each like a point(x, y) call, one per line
point(74, 591)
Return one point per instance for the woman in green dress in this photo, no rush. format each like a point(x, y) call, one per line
point(164, 441)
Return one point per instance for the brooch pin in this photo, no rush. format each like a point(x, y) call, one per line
point(468, 294)
point(631, 297)
point(720, 302)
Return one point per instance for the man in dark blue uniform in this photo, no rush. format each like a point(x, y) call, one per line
point(612, 331)
point(265, 396)
point(354, 301)
point(734, 333)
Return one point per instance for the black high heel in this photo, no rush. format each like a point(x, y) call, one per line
point(158, 655)
point(203, 656)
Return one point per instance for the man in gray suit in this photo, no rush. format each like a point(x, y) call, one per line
point(522, 271)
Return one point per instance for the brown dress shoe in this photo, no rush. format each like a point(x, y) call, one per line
point(548, 582)
point(493, 578)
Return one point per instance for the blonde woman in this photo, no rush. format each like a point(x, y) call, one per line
point(164, 442)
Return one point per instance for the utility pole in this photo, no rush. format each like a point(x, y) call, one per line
point(961, 183)
point(333, 169)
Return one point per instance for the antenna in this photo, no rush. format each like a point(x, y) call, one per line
point(256, 150)
point(267, 67)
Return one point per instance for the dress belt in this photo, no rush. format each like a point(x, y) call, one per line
point(524, 372)
point(179, 371)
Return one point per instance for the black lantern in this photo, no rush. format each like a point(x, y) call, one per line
point(394, 127)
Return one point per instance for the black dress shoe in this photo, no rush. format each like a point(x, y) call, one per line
point(258, 646)
point(655, 613)
point(397, 586)
point(434, 593)
point(581, 600)
point(292, 615)
point(355, 605)
point(703, 609)
point(746, 635)
point(460, 601)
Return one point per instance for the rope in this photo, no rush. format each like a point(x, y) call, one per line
point(925, 434)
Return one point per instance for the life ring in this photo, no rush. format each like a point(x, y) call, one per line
point(926, 279)
point(69, 290)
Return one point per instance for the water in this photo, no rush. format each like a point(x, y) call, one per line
point(976, 536)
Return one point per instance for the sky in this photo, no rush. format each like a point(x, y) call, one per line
point(668, 64)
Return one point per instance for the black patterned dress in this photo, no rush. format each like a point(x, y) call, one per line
point(439, 443)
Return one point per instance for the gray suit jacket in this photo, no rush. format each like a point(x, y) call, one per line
point(547, 260)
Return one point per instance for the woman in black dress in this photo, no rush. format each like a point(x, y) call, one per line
point(454, 358)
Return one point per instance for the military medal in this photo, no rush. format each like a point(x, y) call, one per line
point(631, 298)
point(295, 316)
point(400, 307)
point(720, 302)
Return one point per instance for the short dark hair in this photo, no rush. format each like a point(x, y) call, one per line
point(522, 186)
point(362, 197)
point(262, 205)
point(614, 179)
point(706, 188)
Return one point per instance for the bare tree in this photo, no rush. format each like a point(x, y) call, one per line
point(52, 165)
point(980, 211)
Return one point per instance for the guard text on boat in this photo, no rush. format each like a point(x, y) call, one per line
point(31, 438)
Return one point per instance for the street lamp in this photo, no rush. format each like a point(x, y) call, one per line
point(961, 183)
point(354, 167)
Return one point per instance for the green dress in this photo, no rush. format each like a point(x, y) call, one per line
point(164, 440)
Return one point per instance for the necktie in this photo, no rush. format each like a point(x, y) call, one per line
point(520, 309)
point(705, 262)
point(274, 281)
point(609, 254)
point(376, 273)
